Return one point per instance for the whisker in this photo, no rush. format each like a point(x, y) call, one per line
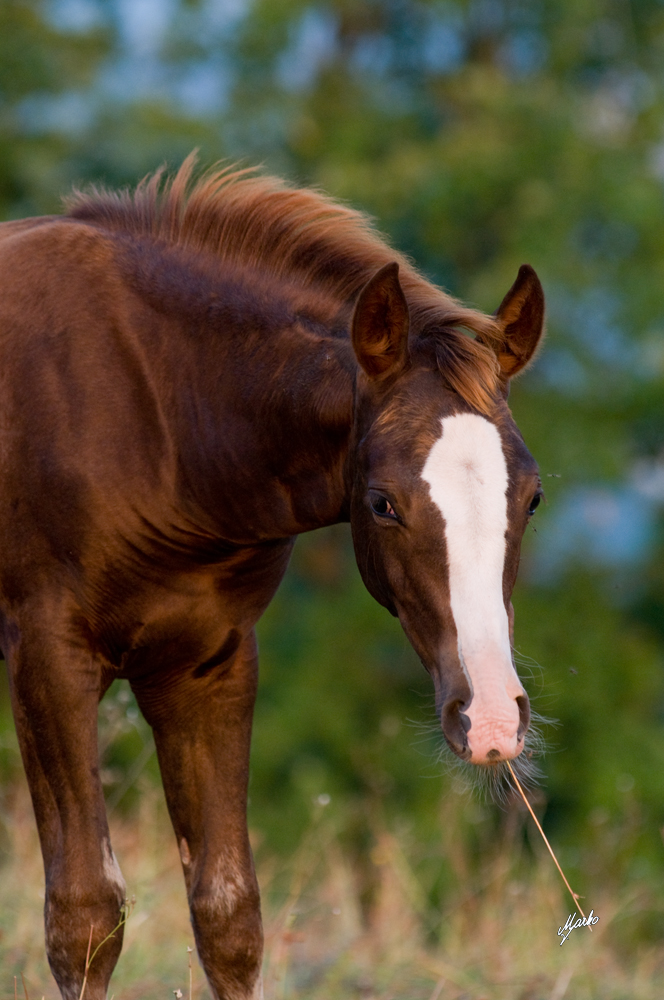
point(491, 782)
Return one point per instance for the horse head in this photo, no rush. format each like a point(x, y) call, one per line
point(441, 494)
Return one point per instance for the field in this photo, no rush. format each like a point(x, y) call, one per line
point(341, 927)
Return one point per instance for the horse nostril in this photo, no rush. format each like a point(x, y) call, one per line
point(492, 754)
point(524, 715)
point(455, 725)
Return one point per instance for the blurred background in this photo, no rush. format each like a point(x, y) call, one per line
point(480, 134)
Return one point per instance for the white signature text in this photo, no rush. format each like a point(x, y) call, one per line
point(571, 925)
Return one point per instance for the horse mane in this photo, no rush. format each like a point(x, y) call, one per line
point(298, 234)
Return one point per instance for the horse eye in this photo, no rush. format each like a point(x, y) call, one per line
point(534, 504)
point(381, 506)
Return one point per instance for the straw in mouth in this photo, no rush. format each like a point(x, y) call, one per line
point(573, 894)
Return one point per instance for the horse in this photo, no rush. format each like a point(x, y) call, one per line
point(192, 374)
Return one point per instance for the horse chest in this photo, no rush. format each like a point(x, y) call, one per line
point(185, 622)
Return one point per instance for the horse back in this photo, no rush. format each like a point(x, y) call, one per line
point(75, 383)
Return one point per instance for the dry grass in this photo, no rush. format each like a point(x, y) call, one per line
point(495, 939)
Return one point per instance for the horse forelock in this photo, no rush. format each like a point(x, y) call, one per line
point(297, 235)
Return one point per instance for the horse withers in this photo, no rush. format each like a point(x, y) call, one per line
point(191, 375)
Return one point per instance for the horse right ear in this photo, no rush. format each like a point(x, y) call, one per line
point(521, 318)
point(379, 330)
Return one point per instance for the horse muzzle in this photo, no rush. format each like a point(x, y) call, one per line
point(486, 734)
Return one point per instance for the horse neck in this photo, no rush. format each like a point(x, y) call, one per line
point(265, 456)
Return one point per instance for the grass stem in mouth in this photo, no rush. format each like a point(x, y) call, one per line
point(574, 896)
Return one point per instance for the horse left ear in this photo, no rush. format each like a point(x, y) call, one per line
point(380, 323)
point(521, 318)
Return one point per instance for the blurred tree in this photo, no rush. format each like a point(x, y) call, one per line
point(44, 73)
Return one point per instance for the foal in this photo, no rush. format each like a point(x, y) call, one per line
point(190, 377)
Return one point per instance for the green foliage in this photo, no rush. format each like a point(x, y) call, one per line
point(336, 675)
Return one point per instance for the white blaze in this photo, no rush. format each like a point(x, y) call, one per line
point(467, 477)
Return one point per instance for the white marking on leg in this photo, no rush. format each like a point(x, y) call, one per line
point(227, 885)
point(185, 853)
point(111, 867)
point(467, 477)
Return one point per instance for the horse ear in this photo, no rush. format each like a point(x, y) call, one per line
point(379, 329)
point(521, 317)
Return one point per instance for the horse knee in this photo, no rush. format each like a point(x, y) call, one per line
point(82, 887)
point(79, 913)
point(225, 913)
point(229, 915)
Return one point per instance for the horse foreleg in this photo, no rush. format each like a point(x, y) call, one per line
point(202, 728)
point(55, 692)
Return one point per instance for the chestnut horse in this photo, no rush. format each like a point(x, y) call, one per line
point(191, 375)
